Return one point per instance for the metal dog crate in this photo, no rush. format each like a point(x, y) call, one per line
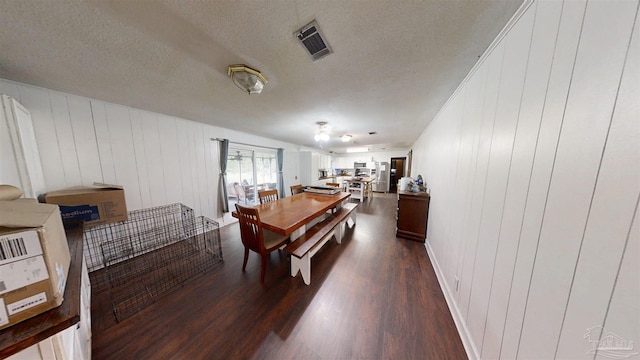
point(151, 254)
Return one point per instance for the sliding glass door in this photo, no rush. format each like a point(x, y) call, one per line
point(249, 171)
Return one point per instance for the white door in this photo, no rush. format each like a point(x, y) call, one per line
point(26, 159)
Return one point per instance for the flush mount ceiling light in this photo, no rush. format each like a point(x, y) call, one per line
point(345, 138)
point(250, 80)
point(322, 134)
point(357, 149)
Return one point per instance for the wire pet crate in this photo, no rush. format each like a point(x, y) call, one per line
point(151, 254)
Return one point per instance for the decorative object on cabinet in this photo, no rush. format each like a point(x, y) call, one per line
point(412, 215)
point(154, 252)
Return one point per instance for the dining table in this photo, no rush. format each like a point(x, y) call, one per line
point(290, 216)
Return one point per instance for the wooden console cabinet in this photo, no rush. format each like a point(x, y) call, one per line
point(412, 214)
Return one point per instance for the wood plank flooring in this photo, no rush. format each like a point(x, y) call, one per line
point(373, 297)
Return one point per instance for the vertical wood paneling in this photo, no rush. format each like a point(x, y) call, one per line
point(537, 77)
point(200, 167)
point(153, 158)
point(103, 139)
point(38, 103)
point(601, 53)
point(616, 184)
point(461, 183)
point(182, 132)
point(123, 154)
point(453, 196)
point(554, 104)
point(506, 119)
point(137, 131)
point(473, 106)
point(567, 166)
point(66, 143)
point(170, 156)
point(623, 311)
point(85, 140)
point(159, 159)
point(490, 100)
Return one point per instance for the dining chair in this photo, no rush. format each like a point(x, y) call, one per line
point(242, 192)
point(333, 184)
point(297, 189)
point(266, 196)
point(257, 239)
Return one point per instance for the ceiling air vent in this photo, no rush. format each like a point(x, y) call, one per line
point(312, 39)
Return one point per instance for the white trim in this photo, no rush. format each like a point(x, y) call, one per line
point(463, 331)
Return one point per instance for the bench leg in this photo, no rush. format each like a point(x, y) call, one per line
point(352, 216)
point(339, 233)
point(304, 265)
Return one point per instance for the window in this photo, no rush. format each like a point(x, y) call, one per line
point(249, 171)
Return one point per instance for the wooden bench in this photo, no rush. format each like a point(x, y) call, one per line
point(308, 244)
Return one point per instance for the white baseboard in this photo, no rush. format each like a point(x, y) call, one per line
point(465, 336)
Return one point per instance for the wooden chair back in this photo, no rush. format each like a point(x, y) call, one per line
point(297, 189)
point(251, 228)
point(333, 184)
point(267, 196)
point(255, 238)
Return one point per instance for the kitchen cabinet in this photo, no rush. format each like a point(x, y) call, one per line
point(310, 164)
point(412, 215)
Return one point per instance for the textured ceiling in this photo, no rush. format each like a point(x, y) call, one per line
point(394, 64)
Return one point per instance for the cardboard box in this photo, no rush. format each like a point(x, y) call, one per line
point(100, 204)
point(34, 260)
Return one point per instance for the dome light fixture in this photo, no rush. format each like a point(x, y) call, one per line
point(249, 80)
point(345, 138)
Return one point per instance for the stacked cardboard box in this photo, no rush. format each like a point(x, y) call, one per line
point(34, 260)
point(96, 205)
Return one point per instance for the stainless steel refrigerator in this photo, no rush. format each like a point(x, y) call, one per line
point(381, 183)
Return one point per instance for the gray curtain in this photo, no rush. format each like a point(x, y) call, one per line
point(280, 175)
point(222, 194)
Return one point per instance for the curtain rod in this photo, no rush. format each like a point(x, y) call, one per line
point(239, 143)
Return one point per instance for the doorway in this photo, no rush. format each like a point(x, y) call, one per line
point(396, 173)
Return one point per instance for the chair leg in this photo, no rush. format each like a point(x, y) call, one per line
point(263, 268)
point(246, 257)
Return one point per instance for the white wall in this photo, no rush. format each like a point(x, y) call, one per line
point(534, 170)
point(159, 159)
point(347, 160)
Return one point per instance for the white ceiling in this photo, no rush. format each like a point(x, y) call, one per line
point(394, 64)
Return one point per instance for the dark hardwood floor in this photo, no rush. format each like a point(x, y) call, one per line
point(372, 297)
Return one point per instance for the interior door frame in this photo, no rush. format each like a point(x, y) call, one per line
point(393, 186)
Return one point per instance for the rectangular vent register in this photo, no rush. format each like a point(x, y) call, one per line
point(313, 41)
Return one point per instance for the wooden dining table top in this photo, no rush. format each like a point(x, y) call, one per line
point(288, 214)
